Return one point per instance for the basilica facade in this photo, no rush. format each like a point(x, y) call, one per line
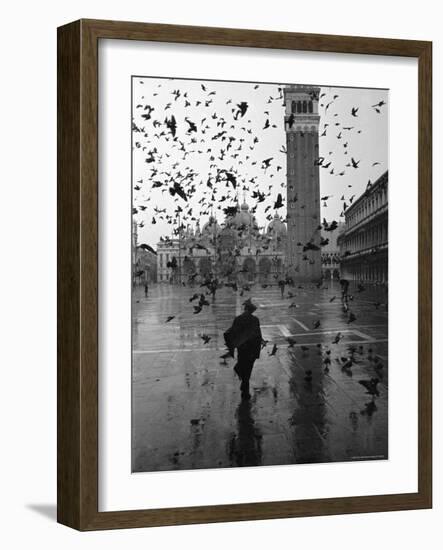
point(236, 250)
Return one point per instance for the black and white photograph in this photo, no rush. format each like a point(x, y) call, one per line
point(259, 273)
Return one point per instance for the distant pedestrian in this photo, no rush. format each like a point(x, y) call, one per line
point(282, 285)
point(344, 283)
point(213, 285)
point(245, 335)
point(146, 289)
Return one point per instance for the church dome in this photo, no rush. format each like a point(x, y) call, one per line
point(277, 227)
point(210, 226)
point(242, 219)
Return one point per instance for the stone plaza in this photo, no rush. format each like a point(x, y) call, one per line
point(307, 405)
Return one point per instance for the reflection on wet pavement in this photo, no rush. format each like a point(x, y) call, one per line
point(307, 403)
point(245, 444)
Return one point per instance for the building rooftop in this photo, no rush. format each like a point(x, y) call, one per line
point(382, 180)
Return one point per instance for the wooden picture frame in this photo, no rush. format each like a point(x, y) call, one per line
point(77, 456)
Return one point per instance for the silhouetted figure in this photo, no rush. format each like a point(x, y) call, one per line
point(245, 335)
point(282, 284)
point(213, 285)
point(146, 290)
point(344, 283)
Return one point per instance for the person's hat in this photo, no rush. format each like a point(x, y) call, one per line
point(249, 306)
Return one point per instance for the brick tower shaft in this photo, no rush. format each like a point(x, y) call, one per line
point(303, 182)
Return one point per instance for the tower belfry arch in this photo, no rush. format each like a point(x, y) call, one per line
point(303, 181)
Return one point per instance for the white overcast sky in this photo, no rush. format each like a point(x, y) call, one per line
point(367, 142)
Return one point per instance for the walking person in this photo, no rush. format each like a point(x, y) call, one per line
point(282, 284)
point(213, 285)
point(146, 289)
point(344, 283)
point(245, 335)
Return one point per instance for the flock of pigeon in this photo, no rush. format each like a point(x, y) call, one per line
point(228, 147)
point(196, 148)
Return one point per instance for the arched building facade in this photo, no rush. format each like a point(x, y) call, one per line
point(330, 253)
point(235, 251)
point(364, 241)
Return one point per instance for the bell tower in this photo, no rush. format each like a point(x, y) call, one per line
point(303, 182)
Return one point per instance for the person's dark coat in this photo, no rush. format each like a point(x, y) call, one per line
point(245, 335)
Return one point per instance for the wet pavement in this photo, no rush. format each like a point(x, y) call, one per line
point(187, 410)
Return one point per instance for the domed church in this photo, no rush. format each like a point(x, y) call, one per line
point(237, 250)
